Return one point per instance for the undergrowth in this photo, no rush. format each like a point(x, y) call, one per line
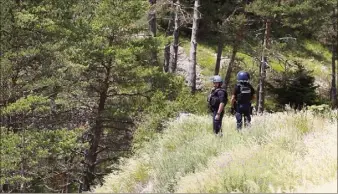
point(278, 153)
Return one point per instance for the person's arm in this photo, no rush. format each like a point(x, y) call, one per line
point(220, 108)
point(253, 93)
point(223, 97)
point(233, 100)
point(233, 97)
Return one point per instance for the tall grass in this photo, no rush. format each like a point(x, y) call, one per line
point(279, 152)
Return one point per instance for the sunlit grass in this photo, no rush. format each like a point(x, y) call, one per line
point(206, 57)
point(279, 152)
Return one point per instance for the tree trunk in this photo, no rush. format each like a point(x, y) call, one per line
point(219, 56)
point(333, 82)
point(22, 165)
point(334, 56)
point(261, 93)
point(152, 18)
point(230, 66)
point(235, 46)
point(91, 155)
point(193, 48)
point(166, 57)
point(167, 49)
point(152, 28)
point(176, 36)
point(96, 133)
point(166, 66)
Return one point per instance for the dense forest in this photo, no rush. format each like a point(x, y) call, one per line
point(84, 83)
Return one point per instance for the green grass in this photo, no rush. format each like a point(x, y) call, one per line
point(279, 152)
point(318, 50)
point(314, 56)
point(311, 54)
point(205, 56)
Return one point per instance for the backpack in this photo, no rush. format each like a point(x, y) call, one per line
point(244, 96)
point(213, 99)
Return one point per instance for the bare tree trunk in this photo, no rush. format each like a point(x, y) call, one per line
point(334, 56)
point(152, 18)
point(176, 35)
point(22, 165)
point(230, 66)
point(65, 188)
point(152, 28)
point(96, 132)
point(261, 96)
point(333, 82)
point(166, 64)
point(193, 48)
point(5, 188)
point(166, 57)
point(80, 187)
point(219, 56)
point(91, 155)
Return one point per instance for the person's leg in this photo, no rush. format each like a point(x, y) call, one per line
point(239, 118)
point(217, 124)
point(220, 123)
point(247, 115)
point(247, 118)
point(214, 122)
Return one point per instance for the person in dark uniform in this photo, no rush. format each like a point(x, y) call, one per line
point(241, 98)
point(217, 100)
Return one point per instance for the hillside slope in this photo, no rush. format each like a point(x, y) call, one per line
point(279, 152)
point(314, 56)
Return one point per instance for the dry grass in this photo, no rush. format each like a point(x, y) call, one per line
point(281, 152)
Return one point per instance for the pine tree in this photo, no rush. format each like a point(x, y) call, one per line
point(298, 83)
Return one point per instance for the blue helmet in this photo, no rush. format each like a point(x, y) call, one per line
point(217, 79)
point(243, 76)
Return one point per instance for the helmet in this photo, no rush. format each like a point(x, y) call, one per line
point(243, 76)
point(217, 79)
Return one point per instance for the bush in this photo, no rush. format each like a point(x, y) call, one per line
point(164, 107)
point(296, 90)
point(44, 153)
point(323, 110)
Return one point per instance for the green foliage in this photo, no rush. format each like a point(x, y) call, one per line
point(31, 155)
point(87, 64)
point(60, 58)
point(27, 105)
point(166, 106)
point(297, 89)
point(317, 50)
point(323, 110)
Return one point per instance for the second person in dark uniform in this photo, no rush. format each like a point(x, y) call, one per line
point(241, 98)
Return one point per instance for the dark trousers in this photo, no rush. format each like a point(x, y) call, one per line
point(217, 124)
point(243, 109)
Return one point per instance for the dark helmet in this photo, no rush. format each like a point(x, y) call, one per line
point(217, 79)
point(243, 76)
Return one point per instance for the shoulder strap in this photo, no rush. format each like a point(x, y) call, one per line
point(218, 89)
